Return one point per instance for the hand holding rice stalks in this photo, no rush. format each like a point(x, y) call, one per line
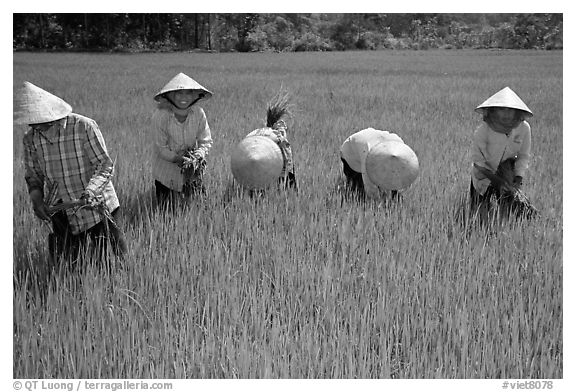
point(193, 166)
point(514, 197)
point(50, 200)
point(91, 200)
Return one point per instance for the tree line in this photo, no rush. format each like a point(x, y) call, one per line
point(249, 32)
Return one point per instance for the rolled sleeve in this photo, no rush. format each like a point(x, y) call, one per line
point(204, 136)
point(98, 157)
point(523, 160)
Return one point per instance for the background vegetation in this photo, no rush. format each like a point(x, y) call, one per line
point(303, 285)
point(284, 32)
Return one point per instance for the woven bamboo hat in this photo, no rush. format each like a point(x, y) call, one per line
point(183, 82)
point(392, 165)
point(34, 105)
point(256, 162)
point(505, 98)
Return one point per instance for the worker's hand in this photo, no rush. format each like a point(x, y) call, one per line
point(193, 161)
point(40, 208)
point(87, 198)
point(479, 172)
point(179, 160)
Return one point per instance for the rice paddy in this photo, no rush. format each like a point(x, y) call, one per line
point(307, 284)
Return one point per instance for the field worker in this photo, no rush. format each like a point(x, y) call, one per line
point(376, 162)
point(264, 156)
point(68, 174)
point(500, 150)
point(183, 140)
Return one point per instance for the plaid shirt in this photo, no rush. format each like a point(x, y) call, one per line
point(71, 156)
point(173, 139)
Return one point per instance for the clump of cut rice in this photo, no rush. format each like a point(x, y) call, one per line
point(278, 109)
point(193, 167)
point(514, 198)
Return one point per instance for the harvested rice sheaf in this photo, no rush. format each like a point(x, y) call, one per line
point(278, 109)
point(193, 167)
point(513, 196)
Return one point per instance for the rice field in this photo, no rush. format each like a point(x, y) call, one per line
point(307, 284)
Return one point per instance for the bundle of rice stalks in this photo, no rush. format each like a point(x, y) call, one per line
point(513, 197)
point(193, 166)
point(278, 108)
point(97, 202)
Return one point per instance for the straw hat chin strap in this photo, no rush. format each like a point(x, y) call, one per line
point(200, 96)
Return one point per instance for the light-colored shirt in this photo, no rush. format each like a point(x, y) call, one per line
point(355, 150)
point(173, 139)
point(71, 156)
point(490, 148)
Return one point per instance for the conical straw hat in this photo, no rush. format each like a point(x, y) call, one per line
point(392, 165)
point(183, 82)
point(505, 98)
point(256, 162)
point(34, 105)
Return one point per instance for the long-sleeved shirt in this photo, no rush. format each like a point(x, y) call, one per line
point(355, 150)
point(490, 148)
point(71, 157)
point(173, 139)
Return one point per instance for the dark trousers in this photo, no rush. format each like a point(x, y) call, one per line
point(95, 242)
point(353, 178)
point(355, 182)
point(165, 195)
point(505, 171)
point(477, 200)
point(483, 203)
point(289, 181)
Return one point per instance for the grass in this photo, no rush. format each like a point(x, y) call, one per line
point(302, 285)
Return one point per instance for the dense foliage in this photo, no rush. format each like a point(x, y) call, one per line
point(284, 32)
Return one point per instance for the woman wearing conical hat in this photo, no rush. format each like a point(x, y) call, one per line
point(68, 173)
point(264, 157)
point(377, 163)
point(501, 148)
point(183, 139)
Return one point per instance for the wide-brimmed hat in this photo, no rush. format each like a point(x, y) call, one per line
point(183, 82)
point(392, 165)
point(505, 98)
point(256, 162)
point(33, 105)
